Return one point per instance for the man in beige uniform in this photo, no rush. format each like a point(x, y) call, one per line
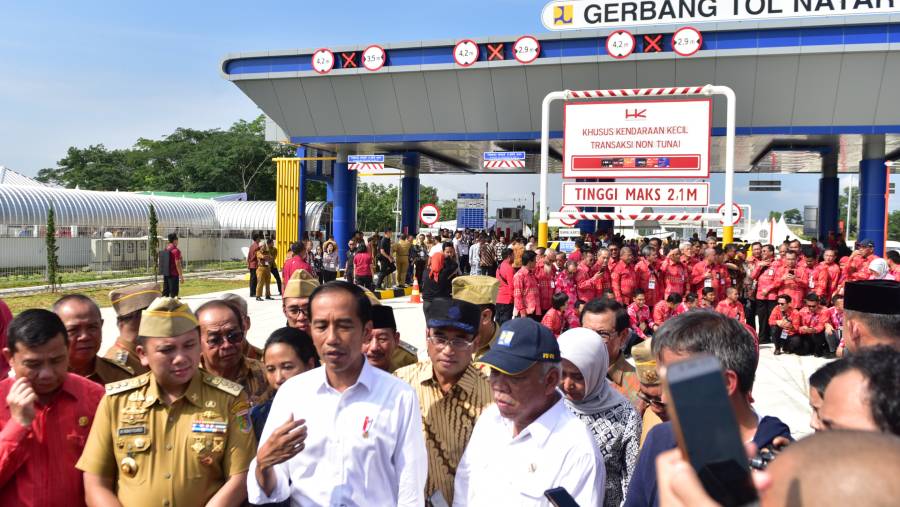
point(650, 402)
point(129, 302)
point(174, 437)
point(84, 325)
point(482, 291)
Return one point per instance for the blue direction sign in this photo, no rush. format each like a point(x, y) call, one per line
point(365, 159)
point(504, 155)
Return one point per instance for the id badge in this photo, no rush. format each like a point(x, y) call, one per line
point(771, 272)
point(651, 285)
point(784, 334)
point(812, 283)
point(707, 282)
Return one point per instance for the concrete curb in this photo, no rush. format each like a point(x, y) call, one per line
point(37, 289)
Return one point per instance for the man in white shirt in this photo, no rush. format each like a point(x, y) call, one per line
point(346, 433)
point(527, 442)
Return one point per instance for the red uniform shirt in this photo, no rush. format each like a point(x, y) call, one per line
point(362, 264)
point(584, 283)
point(662, 313)
point(732, 310)
point(719, 279)
point(857, 268)
point(777, 315)
point(648, 281)
point(603, 282)
point(553, 320)
point(505, 274)
point(565, 282)
point(638, 315)
point(815, 320)
point(544, 275)
point(675, 278)
point(526, 296)
point(296, 262)
point(174, 259)
point(765, 281)
point(624, 281)
point(37, 464)
point(826, 279)
point(796, 287)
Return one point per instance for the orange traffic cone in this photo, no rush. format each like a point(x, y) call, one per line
point(415, 297)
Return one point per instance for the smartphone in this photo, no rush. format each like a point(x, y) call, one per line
point(706, 429)
point(559, 497)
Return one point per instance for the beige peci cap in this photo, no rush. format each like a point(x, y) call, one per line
point(476, 289)
point(167, 317)
point(301, 285)
point(130, 299)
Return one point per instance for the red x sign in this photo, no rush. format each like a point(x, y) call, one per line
point(653, 43)
point(495, 51)
point(349, 60)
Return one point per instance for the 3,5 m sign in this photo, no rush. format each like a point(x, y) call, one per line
point(637, 139)
point(636, 194)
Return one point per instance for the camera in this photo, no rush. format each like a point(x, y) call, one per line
point(765, 456)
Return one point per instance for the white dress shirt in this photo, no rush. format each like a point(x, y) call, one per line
point(364, 446)
point(556, 450)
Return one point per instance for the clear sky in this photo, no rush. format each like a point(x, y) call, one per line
point(91, 72)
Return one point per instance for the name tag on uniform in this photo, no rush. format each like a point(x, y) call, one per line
point(134, 430)
point(771, 272)
point(707, 282)
point(209, 427)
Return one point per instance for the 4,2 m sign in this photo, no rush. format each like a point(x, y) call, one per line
point(636, 194)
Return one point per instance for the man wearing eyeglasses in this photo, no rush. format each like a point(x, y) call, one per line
point(222, 350)
point(452, 392)
point(295, 299)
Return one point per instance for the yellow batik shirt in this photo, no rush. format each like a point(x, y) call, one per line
point(447, 419)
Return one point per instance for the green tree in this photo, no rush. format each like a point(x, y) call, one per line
point(375, 206)
point(448, 209)
point(52, 251)
point(774, 214)
point(894, 226)
point(793, 216)
point(94, 168)
point(153, 242)
point(854, 207)
point(427, 195)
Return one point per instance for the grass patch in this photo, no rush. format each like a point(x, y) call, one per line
point(13, 280)
point(189, 287)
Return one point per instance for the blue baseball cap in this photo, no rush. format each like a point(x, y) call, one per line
point(521, 343)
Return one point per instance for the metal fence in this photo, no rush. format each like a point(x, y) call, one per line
point(88, 253)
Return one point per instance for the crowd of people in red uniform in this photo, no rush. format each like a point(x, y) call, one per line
point(790, 294)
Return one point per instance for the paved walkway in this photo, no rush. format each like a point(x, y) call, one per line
point(781, 387)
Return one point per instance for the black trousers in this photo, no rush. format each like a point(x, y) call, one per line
point(365, 281)
point(489, 270)
point(750, 313)
point(252, 282)
point(170, 286)
point(385, 268)
point(328, 276)
point(504, 313)
point(277, 278)
point(764, 308)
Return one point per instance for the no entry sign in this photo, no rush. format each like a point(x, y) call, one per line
point(637, 139)
point(571, 222)
point(736, 214)
point(429, 214)
point(636, 194)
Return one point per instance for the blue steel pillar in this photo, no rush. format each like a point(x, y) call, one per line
point(409, 192)
point(873, 192)
point(828, 196)
point(301, 194)
point(344, 190)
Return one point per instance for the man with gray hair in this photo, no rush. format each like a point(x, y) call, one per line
point(527, 442)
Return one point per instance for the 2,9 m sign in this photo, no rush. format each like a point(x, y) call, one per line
point(636, 194)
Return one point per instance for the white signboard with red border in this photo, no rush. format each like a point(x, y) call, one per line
point(429, 214)
point(687, 41)
point(620, 44)
point(526, 49)
point(637, 139)
point(636, 194)
point(374, 57)
point(465, 53)
point(323, 61)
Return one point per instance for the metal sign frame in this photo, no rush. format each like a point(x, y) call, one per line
point(684, 91)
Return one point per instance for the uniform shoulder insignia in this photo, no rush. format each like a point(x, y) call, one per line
point(127, 385)
point(409, 348)
point(232, 388)
point(116, 364)
point(120, 357)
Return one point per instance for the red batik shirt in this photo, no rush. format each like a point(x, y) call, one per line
point(37, 464)
point(624, 281)
point(732, 310)
point(639, 314)
point(526, 295)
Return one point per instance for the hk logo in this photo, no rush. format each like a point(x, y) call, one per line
point(562, 15)
point(635, 114)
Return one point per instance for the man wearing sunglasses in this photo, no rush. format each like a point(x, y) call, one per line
point(222, 350)
point(452, 392)
point(295, 299)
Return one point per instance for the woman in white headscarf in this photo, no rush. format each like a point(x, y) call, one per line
point(613, 421)
point(879, 270)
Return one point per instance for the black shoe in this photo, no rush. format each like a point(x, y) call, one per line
point(269, 298)
point(777, 351)
point(259, 299)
